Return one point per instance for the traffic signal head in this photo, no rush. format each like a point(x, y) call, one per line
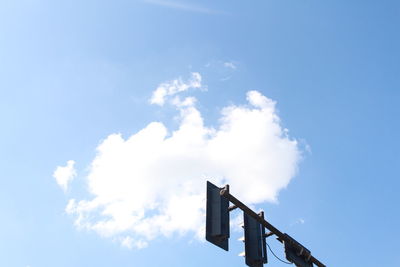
point(217, 217)
point(254, 242)
point(293, 254)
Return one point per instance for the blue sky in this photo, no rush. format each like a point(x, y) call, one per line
point(73, 73)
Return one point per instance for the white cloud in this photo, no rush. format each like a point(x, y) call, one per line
point(173, 87)
point(230, 65)
point(298, 221)
point(130, 243)
point(153, 183)
point(64, 175)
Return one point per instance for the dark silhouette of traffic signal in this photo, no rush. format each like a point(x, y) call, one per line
point(254, 242)
point(217, 231)
point(301, 258)
point(217, 217)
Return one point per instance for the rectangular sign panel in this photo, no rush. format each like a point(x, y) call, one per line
point(217, 217)
point(253, 242)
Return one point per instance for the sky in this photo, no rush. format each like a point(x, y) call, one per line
point(114, 114)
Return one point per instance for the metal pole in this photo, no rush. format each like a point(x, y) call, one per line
point(281, 236)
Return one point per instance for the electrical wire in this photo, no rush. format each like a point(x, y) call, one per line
point(277, 256)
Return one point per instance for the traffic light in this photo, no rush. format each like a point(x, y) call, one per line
point(217, 231)
point(300, 257)
point(254, 242)
point(217, 217)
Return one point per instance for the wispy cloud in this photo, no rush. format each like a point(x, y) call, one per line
point(173, 87)
point(225, 78)
point(298, 221)
point(224, 69)
point(183, 6)
point(230, 65)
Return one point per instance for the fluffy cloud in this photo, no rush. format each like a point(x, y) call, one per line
point(153, 183)
point(64, 175)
